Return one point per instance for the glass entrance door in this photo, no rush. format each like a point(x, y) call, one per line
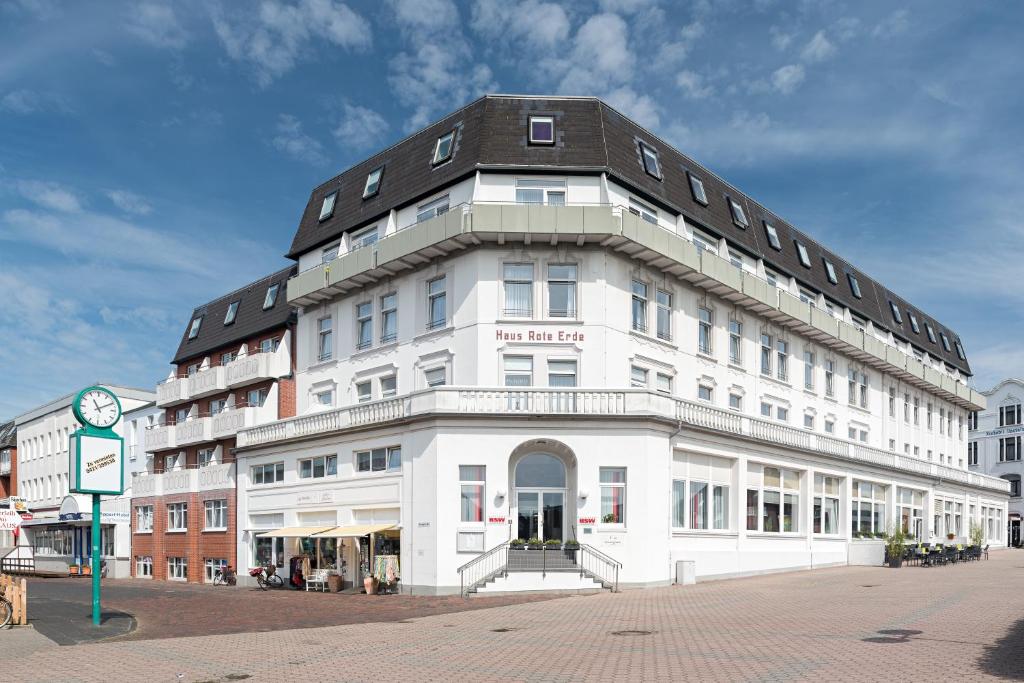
point(540, 514)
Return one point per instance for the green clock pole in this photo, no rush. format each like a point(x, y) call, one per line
point(96, 559)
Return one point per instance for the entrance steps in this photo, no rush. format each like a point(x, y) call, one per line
point(517, 582)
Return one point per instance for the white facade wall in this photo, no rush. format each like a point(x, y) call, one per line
point(1006, 395)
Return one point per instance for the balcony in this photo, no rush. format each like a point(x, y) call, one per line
point(146, 484)
point(160, 438)
point(258, 366)
point(602, 404)
point(206, 382)
point(192, 431)
point(190, 480)
point(172, 391)
point(228, 422)
point(214, 477)
point(613, 227)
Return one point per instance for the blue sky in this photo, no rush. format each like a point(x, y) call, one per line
point(154, 155)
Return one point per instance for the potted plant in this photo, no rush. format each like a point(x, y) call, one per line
point(73, 569)
point(534, 544)
point(571, 545)
point(950, 536)
point(553, 544)
point(977, 534)
point(894, 547)
point(370, 584)
point(880, 534)
point(517, 544)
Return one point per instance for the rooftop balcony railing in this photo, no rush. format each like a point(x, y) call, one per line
point(206, 382)
point(171, 391)
point(602, 403)
point(192, 479)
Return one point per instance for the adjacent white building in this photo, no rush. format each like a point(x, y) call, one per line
point(994, 447)
point(534, 319)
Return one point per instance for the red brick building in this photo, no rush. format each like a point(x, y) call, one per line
point(234, 368)
point(9, 460)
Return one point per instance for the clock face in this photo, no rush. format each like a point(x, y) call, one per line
point(99, 408)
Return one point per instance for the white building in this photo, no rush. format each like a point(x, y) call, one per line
point(536, 319)
point(994, 447)
point(59, 532)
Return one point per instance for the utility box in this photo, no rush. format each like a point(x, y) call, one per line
point(686, 572)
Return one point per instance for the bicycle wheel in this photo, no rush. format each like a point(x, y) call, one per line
point(275, 581)
point(261, 582)
point(218, 579)
point(6, 612)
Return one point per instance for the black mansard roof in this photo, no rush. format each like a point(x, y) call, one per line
point(250, 317)
point(8, 434)
point(591, 137)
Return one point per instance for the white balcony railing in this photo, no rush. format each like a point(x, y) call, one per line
point(179, 481)
point(172, 391)
point(190, 480)
point(594, 402)
point(146, 484)
point(228, 422)
point(214, 477)
point(206, 382)
point(257, 366)
point(193, 431)
point(159, 437)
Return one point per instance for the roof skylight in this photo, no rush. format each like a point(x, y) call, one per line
point(651, 164)
point(801, 252)
point(697, 189)
point(773, 236)
point(830, 272)
point(739, 217)
point(896, 313)
point(913, 322)
point(271, 298)
point(229, 317)
point(327, 208)
point(372, 186)
point(443, 147)
point(854, 285)
point(542, 130)
point(193, 331)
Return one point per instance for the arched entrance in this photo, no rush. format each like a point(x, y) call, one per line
point(543, 490)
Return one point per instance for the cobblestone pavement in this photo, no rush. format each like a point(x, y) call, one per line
point(962, 622)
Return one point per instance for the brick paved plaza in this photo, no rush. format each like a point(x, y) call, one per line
point(964, 621)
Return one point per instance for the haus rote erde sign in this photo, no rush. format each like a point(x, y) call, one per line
point(554, 335)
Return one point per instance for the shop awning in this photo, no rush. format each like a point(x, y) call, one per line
point(293, 532)
point(355, 531)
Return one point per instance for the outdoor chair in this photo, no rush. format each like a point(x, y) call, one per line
point(317, 580)
point(984, 551)
point(928, 558)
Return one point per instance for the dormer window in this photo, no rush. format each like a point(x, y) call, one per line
point(854, 285)
point(896, 313)
point(271, 298)
point(542, 130)
point(373, 182)
point(739, 217)
point(945, 341)
point(960, 350)
point(773, 236)
point(913, 323)
point(651, 164)
point(328, 254)
point(930, 331)
point(443, 147)
point(697, 189)
point(830, 272)
point(363, 238)
point(645, 212)
point(193, 330)
point(327, 208)
point(431, 209)
point(229, 317)
point(801, 252)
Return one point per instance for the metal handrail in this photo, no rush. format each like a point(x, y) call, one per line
point(612, 566)
point(497, 563)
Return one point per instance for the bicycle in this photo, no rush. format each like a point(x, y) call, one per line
point(6, 612)
point(224, 577)
point(267, 577)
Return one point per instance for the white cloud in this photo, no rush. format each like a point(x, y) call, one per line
point(626, 6)
point(278, 35)
point(818, 49)
point(503, 22)
point(780, 39)
point(359, 127)
point(786, 79)
point(291, 140)
point(157, 25)
point(129, 202)
point(641, 108)
point(30, 101)
point(893, 25)
point(416, 78)
point(600, 56)
point(49, 195)
point(425, 14)
point(693, 85)
point(846, 28)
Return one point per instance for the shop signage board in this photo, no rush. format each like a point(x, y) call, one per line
point(540, 336)
point(495, 520)
point(10, 520)
point(18, 504)
point(588, 520)
point(1005, 431)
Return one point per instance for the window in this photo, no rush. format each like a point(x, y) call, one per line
point(697, 189)
point(327, 208)
point(1009, 449)
point(851, 433)
point(1010, 415)
point(144, 567)
point(663, 383)
point(637, 377)
point(216, 514)
point(431, 209)
point(809, 370)
point(540, 191)
point(867, 509)
point(436, 377)
point(324, 398)
point(972, 420)
point(782, 414)
point(518, 290)
point(736, 259)
point(650, 158)
point(613, 495)
point(364, 325)
point(854, 285)
point(705, 243)
point(177, 516)
point(930, 331)
point(851, 386)
point(773, 499)
point(826, 504)
point(561, 373)
point(808, 421)
point(801, 252)
point(318, 467)
point(229, 317)
point(705, 318)
point(906, 408)
point(704, 392)
point(928, 415)
point(663, 303)
point(910, 511)
point(917, 410)
point(771, 278)
point(645, 212)
point(766, 409)
point(443, 148)
point(268, 473)
point(388, 318)
point(328, 254)
point(228, 357)
point(892, 403)
point(735, 402)
point(205, 457)
point(773, 236)
point(766, 354)
point(830, 426)
point(472, 479)
point(830, 382)
point(437, 300)
point(324, 339)
point(913, 322)
point(738, 215)
point(372, 186)
point(257, 397)
point(193, 330)
point(960, 350)
point(364, 391)
point(177, 568)
point(363, 238)
point(542, 130)
point(518, 371)
point(211, 566)
point(388, 386)
point(1014, 480)
point(735, 342)
point(808, 297)
point(896, 313)
point(830, 272)
point(170, 462)
point(639, 306)
point(562, 290)
point(858, 322)
point(945, 341)
point(143, 518)
point(706, 506)
point(862, 380)
point(379, 460)
point(782, 359)
point(271, 298)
